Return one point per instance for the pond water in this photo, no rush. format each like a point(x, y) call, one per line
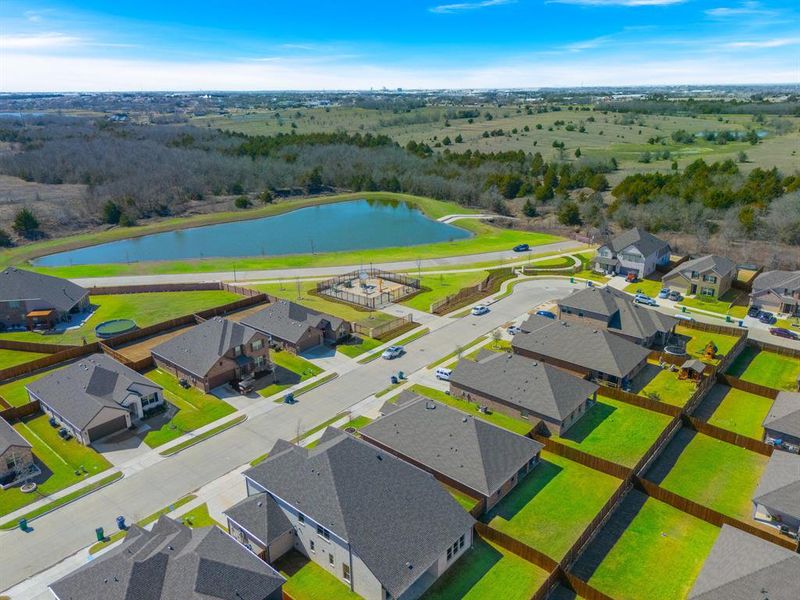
point(352, 225)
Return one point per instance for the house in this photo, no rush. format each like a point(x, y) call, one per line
point(296, 327)
point(469, 454)
point(213, 353)
point(709, 276)
point(96, 397)
point(520, 387)
point(383, 527)
point(742, 566)
point(777, 497)
point(170, 562)
point(595, 353)
point(616, 312)
point(633, 251)
point(782, 423)
point(16, 456)
point(37, 301)
point(777, 291)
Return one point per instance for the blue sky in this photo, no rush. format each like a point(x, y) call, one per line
point(261, 45)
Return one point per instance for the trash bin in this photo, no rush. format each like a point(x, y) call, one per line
point(401, 375)
point(393, 379)
point(728, 318)
point(100, 534)
point(741, 323)
point(23, 524)
point(121, 523)
point(683, 309)
point(288, 398)
point(572, 280)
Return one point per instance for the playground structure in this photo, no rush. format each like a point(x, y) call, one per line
point(369, 287)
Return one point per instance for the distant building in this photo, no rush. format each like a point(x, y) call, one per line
point(296, 327)
point(16, 454)
point(777, 291)
point(709, 276)
point(777, 497)
point(38, 301)
point(782, 423)
point(634, 251)
point(172, 562)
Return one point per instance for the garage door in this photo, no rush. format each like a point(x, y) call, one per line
point(107, 428)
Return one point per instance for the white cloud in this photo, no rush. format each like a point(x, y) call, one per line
point(464, 6)
point(617, 2)
point(773, 43)
point(745, 8)
point(38, 41)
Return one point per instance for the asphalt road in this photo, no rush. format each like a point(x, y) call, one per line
point(70, 528)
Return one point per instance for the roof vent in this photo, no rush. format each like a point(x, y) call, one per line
point(409, 565)
point(379, 457)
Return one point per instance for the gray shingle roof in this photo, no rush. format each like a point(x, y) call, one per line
point(623, 314)
point(18, 284)
point(644, 241)
point(172, 562)
point(9, 437)
point(289, 321)
point(784, 415)
point(197, 350)
point(81, 390)
point(527, 383)
point(594, 349)
point(471, 451)
point(779, 487)
point(744, 567)
point(392, 513)
point(778, 281)
point(711, 262)
point(260, 515)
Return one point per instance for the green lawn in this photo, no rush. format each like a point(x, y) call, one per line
point(466, 502)
point(357, 423)
point(716, 474)
point(552, 506)
point(723, 305)
point(144, 309)
point(483, 571)
point(65, 463)
point(298, 365)
point(696, 346)
point(440, 286)
point(461, 348)
point(493, 346)
point(517, 425)
point(199, 517)
point(742, 412)
point(658, 556)
point(358, 345)
point(14, 392)
point(195, 409)
point(11, 358)
point(667, 388)
point(616, 431)
point(766, 368)
point(306, 580)
point(646, 286)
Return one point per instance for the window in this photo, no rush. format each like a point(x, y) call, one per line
point(260, 362)
point(706, 291)
point(312, 546)
point(346, 572)
point(301, 517)
point(449, 553)
point(257, 345)
point(237, 351)
point(695, 274)
point(710, 278)
point(455, 547)
point(330, 559)
point(461, 542)
point(322, 532)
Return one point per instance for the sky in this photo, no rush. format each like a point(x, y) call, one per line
point(146, 45)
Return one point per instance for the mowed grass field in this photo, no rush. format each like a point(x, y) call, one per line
point(292, 369)
point(616, 431)
point(306, 580)
point(767, 368)
point(483, 571)
point(741, 412)
point(657, 557)
point(14, 392)
point(697, 341)
point(667, 388)
point(440, 286)
point(552, 506)
point(144, 309)
point(12, 358)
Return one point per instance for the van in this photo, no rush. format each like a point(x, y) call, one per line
point(443, 374)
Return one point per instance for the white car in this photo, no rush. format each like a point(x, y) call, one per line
point(480, 309)
point(443, 373)
point(513, 330)
point(392, 352)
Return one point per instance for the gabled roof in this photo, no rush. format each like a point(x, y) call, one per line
point(471, 451)
point(289, 321)
point(594, 349)
point(784, 415)
point(197, 350)
point(744, 567)
point(396, 517)
point(779, 487)
point(172, 561)
point(261, 516)
point(527, 383)
point(781, 283)
point(81, 390)
point(9, 437)
point(720, 265)
point(18, 284)
point(623, 314)
point(644, 241)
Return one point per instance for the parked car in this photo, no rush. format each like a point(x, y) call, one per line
point(675, 296)
point(546, 313)
point(663, 293)
point(480, 309)
point(443, 373)
point(393, 352)
point(753, 311)
point(683, 317)
point(521, 248)
point(784, 333)
point(766, 317)
point(513, 330)
point(644, 299)
point(631, 278)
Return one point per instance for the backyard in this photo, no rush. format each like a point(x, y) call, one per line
point(766, 368)
point(667, 388)
point(615, 431)
point(144, 309)
point(63, 463)
point(290, 370)
point(14, 392)
point(658, 555)
point(738, 411)
point(697, 341)
point(550, 508)
point(484, 570)
point(11, 358)
point(194, 407)
point(306, 580)
point(711, 472)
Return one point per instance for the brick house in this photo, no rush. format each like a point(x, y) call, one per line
point(633, 251)
point(777, 291)
point(709, 276)
point(38, 301)
point(16, 454)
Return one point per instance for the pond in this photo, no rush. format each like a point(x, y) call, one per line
point(339, 226)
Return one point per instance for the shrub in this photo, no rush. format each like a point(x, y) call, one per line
point(26, 224)
point(242, 202)
point(5, 239)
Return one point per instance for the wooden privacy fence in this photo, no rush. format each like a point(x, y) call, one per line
point(747, 386)
point(49, 360)
point(579, 456)
point(640, 401)
point(766, 346)
point(383, 329)
point(583, 589)
point(514, 546)
point(154, 288)
point(33, 347)
point(471, 293)
point(713, 328)
point(725, 435)
point(664, 438)
point(15, 413)
point(731, 356)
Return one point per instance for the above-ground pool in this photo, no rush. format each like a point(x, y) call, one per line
point(114, 327)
